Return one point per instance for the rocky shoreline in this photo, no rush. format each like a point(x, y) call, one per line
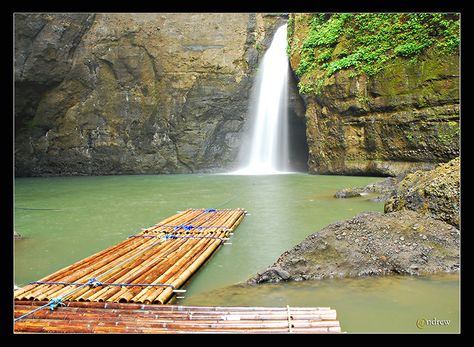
point(417, 234)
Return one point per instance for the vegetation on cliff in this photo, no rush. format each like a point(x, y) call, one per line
point(365, 43)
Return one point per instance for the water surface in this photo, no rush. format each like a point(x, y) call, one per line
point(65, 219)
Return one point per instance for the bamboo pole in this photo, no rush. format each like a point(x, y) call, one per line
point(186, 250)
point(151, 264)
point(80, 277)
point(178, 269)
point(134, 269)
point(68, 276)
point(186, 274)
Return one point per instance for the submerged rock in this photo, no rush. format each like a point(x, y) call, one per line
point(402, 242)
point(16, 235)
point(435, 193)
point(384, 188)
point(349, 193)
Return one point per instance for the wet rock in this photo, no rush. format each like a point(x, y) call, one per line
point(348, 193)
point(384, 187)
point(325, 255)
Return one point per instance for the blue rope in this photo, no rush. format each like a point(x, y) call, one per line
point(53, 304)
point(96, 283)
point(189, 227)
point(192, 220)
point(171, 236)
point(185, 227)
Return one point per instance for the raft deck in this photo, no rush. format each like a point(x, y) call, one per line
point(95, 317)
point(148, 267)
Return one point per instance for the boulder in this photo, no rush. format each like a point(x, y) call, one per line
point(402, 242)
point(435, 193)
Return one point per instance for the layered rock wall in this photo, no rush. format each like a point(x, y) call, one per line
point(133, 93)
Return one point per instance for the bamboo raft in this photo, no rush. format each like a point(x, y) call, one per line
point(148, 267)
point(96, 317)
point(123, 288)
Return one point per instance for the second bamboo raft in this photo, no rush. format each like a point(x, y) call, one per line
point(113, 318)
point(145, 268)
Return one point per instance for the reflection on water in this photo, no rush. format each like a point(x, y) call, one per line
point(66, 219)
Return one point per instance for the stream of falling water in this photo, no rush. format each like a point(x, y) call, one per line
point(267, 151)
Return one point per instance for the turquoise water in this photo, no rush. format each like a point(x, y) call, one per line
point(65, 219)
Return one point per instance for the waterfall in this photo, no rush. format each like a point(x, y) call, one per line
point(266, 152)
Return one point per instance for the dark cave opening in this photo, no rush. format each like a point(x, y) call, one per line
point(298, 145)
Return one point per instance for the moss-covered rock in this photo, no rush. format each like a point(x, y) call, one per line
point(435, 193)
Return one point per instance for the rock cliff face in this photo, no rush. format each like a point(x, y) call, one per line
point(404, 117)
point(133, 93)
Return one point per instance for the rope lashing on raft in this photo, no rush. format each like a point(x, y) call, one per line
point(199, 227)
point(95, 283)
point(57, 301)
point(189, 224)
point(52, 304)
point(188, 227)
point(171, 236)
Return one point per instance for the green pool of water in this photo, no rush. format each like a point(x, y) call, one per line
point(65, 219)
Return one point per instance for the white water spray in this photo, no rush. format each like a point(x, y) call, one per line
point(267, 151)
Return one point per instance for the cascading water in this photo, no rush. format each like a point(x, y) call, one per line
point(267, 151)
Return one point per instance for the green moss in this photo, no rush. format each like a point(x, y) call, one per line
point(366, 43)
point(448, 133)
